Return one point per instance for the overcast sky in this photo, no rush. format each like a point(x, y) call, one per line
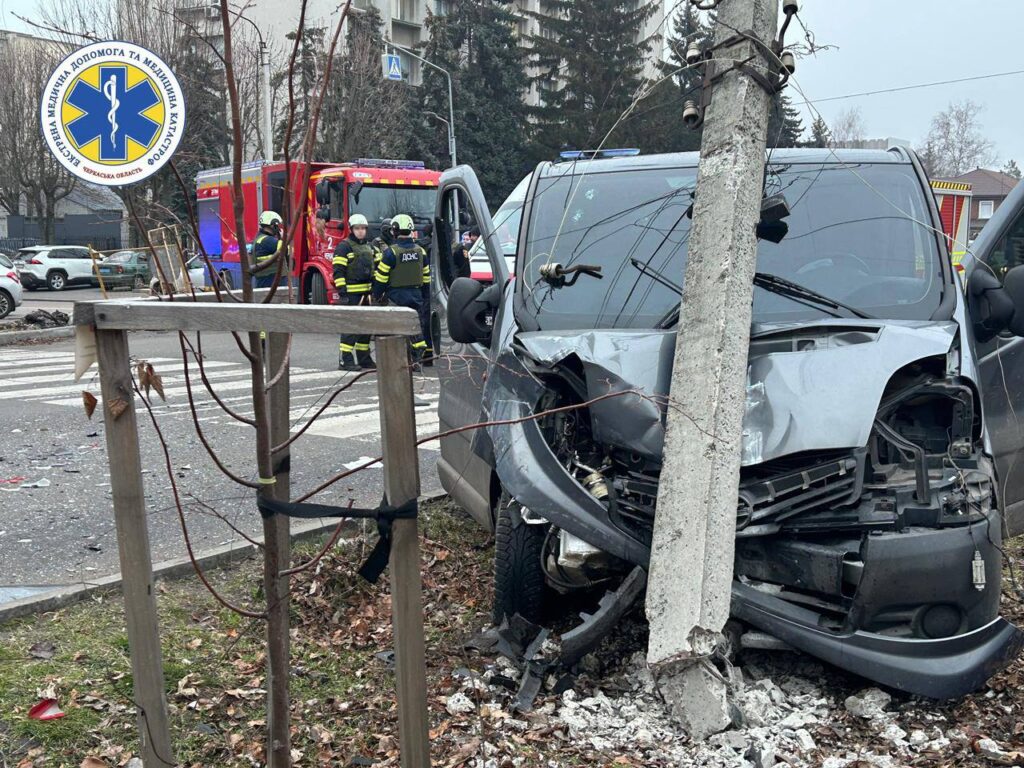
point(886, 44)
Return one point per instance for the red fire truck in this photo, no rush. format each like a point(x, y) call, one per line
point(954, 201)
point(378, 189)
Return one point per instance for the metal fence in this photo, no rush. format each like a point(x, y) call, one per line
point(12, 244)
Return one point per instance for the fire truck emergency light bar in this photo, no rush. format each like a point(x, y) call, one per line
point(595, 154)
point(405, 165)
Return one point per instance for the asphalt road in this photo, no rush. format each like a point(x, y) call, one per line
point(63, 532)
point(63, 300)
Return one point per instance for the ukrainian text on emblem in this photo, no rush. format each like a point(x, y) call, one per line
point(112, 113)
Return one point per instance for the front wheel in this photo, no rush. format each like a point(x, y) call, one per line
point(318, 289)
point(56, 281)
point(519, 583)
point(6, 304)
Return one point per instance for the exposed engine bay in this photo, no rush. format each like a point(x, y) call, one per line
point(803, 519)
point(867, 509)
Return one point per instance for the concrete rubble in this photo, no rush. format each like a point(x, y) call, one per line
point(780, 707)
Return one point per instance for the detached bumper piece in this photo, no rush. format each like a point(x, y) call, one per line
point(939, 669)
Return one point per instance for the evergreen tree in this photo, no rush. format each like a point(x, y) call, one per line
point(659, 115)
point(589, 68)
point(820, 136)
point(475, 42)
point(1012, 169)
point(785, 126)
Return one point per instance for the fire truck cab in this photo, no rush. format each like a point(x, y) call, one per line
point(378, 189)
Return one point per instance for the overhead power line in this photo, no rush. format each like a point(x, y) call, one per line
point(919, 85)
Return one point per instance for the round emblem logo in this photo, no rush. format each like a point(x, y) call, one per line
point(112, 113)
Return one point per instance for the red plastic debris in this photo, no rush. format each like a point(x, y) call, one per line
point(46, 709)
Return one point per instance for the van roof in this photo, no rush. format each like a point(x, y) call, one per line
point(896, 155)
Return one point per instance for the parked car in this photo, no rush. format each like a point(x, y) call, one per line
point(124, 269)
point(196, 274)
point(881, 456)
point(54, 266)
point(10, 287)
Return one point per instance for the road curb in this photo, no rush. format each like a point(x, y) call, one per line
point(38, 334)
point(170, 569)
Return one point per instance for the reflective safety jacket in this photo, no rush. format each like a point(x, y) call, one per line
point(354, 262)
point(404, 265)
point(263, 248)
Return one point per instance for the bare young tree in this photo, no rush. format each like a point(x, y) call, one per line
point(847, 127)
point(955, 144)
point(28, 170)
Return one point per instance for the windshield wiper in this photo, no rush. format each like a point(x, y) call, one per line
point(801, 293)
point(789, 289)
point(655, 275)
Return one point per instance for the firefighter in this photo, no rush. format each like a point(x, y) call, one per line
point(403, 277)
point(354, 262)
point(266, 246)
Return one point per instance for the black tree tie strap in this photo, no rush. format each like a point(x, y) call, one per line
point(384, 515)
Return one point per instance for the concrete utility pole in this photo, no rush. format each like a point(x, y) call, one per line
point(695, 526)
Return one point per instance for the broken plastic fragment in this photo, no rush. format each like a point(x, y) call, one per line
point(46, 709)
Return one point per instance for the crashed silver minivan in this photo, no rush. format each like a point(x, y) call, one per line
point(882, 430)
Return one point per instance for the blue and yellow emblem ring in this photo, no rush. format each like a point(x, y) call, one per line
point(112, 113)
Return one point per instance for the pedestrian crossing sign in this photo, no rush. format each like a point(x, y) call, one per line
point(392, 66)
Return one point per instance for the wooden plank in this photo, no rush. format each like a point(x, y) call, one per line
point(277, 318)
point(133, 547)
point(402, 483)
point(276, 529)
point(84, 311)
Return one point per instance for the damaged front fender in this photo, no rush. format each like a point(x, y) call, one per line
point(530, 472)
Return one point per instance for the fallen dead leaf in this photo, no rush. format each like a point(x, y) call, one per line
point(89, 401)
point(93, 762)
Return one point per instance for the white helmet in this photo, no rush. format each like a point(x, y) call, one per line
point(270, 219)
point(358, 220)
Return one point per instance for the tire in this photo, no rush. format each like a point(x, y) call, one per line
point(138, 283)
point(56, 281)
point(519, 583)
point(6, 304)
point(318, 289)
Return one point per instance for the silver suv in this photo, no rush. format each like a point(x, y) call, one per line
point(54, 266)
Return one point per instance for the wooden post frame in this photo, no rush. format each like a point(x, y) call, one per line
point(402, 484)
point(133, 547)
point(391, 325)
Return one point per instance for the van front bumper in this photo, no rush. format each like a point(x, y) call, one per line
point(943, 668)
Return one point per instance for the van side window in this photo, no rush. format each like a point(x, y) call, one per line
point(1009, 250)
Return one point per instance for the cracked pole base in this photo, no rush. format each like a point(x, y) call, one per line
point(697, 696)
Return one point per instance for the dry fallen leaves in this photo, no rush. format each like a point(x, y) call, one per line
point(89, 401)
point(93, 762)
point(149, 378)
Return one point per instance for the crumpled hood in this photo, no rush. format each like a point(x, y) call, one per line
point(824, 396)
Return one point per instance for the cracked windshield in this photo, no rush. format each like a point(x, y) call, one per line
point(857, 238)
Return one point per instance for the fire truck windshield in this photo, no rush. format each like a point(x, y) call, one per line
point(379, 202)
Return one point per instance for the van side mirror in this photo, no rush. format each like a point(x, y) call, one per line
point(991, 305)
point(471, 309)
point(1013, 286)
point(323, 193)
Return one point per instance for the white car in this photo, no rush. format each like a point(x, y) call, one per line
point(54, 266)
point(196, 275)
point(10, 287)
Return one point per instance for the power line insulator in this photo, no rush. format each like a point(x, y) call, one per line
point(790, 7)
point(788, 61)
point(694, 54)
point(691, 113)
